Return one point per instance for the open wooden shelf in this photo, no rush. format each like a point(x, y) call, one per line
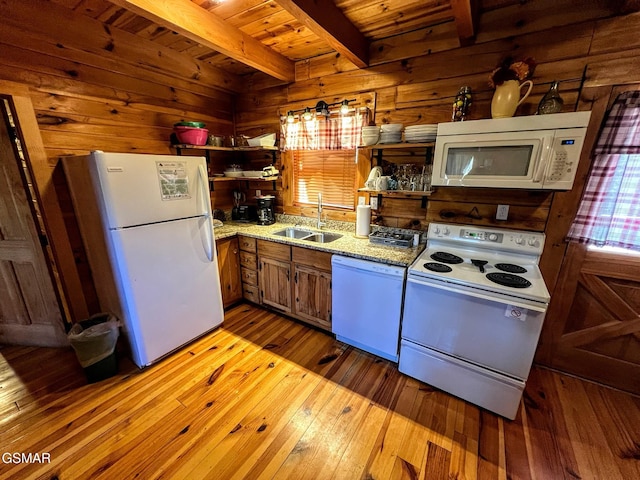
point(183, 146)
point(392, 146)
point(396, 193)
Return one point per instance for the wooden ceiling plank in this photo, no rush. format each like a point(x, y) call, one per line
point(330, 24)
point(208, 29)
point(464, 13)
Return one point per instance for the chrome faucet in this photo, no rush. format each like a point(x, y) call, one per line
point(320, 223)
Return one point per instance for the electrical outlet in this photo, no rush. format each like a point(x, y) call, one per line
point(374, 203)
point(362, 201)
point(503, 212)
point(258, 193)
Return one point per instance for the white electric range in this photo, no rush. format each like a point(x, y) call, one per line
point(474, 305)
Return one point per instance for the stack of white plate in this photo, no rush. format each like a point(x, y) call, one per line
point(420, 133)
point(391, 133)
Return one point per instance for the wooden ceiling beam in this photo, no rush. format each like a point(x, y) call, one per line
point(465, 16)
point(208, 29)
point(330, 24)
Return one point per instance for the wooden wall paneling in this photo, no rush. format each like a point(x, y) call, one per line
point(401, 213)
point(63, 27)
point(425, 41)
point(613, 71)
point(522, 18)
point(614, 34)
point(103, 76)
point(474, 213)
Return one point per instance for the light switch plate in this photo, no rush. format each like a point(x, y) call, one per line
point(362, 200)
point(374, 203)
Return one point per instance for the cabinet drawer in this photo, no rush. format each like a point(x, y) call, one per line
point(274, 250)
point(249, 277)
point(248, 260)
point(251, 293)
point(311, 258)
point(247, 244)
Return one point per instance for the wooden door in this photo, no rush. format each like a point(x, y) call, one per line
point(592, 328)
point(312, 295)
point(29, 310)
point(599, 304)
point(275, 283)
point(229, 267)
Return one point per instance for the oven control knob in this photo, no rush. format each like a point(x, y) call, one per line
point(519, 240)
point(445, 231)
point(436, 230)
point(533, 242)
point(493, 237)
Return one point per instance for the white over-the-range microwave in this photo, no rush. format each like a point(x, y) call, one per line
point(533, 152)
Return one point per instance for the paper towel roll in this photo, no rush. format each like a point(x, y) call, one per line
point(363, 220)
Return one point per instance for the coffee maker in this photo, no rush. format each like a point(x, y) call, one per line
point(266, 215)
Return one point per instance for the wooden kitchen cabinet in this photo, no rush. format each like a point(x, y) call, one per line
point(274, 274)
point(297, 281)
point(229, 266)
point(249, 269)
point(312, 286)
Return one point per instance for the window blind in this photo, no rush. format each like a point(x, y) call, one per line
point(331, 172)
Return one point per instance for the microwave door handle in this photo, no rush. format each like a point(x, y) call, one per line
point(543, 158)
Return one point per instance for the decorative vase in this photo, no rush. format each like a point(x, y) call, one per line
point(551, 102)
point(507, 98)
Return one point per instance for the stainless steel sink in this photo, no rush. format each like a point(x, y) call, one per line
point(293, 232)
point(304, 234)
point(323, 237)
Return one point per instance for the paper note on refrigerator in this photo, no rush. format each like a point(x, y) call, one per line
point(174, 182)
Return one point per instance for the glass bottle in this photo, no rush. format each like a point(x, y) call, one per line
point(461, 104)
point(551, 102)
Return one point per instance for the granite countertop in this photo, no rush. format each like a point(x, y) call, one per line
point(348, 245)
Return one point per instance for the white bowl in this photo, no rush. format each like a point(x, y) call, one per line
point(233, 173)
point(391, 128)
point(370, 140)
point(253, 173)
point(371, 129)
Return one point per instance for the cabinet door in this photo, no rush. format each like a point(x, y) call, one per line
point(275, 285)
point(312, 292)
point(229, 267)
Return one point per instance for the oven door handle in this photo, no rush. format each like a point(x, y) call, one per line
point(476, 294)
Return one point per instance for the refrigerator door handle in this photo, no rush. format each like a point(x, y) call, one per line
point(207, 207)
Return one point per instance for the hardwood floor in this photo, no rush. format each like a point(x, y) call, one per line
point(266, 397)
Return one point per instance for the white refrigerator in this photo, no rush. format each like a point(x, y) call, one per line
point(146, 225)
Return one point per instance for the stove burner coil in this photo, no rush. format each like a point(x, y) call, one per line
point(444, 257)
point(510, 268)
point(508, 280)
point(437, 267)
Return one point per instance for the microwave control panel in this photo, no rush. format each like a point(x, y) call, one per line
point(565, 155)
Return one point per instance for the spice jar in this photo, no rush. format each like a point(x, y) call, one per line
point(461, 104)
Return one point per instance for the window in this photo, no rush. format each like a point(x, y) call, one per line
point(609, 212)
point(330, 172)
point(321, 151)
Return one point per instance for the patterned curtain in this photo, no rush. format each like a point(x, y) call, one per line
point(609, 212)
point(338, 132)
